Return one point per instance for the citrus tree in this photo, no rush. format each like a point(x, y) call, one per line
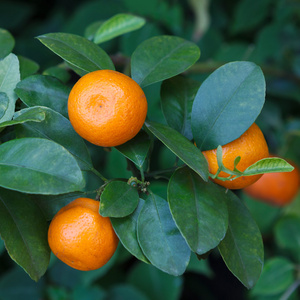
point(161, 216)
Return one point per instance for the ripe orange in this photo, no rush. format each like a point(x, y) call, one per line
point(276, 188)
point(251, 146)
point(107, 108)
point(80, 237)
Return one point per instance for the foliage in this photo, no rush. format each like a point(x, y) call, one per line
point(163, 208)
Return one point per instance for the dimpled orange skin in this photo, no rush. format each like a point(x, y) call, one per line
point(80, 237)
point(107, 108)
point(278, 189)
point(251, 146)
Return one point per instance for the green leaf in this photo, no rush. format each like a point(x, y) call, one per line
point(118, 200)
point(39, 90)
point(233, 94)
point(87, 292)
point(137, 148)
point(24, 231)
point(269, 165)
point(4, 104)
point(77, 51)
point(60, 72)
point(7, 43)
point(160, 239)
point(177, 96)
point(15, 285)
point(57, 128)
point(200, 266)
point(126, 230)
point(38, 166)
point(91, 30)
point(199, 210)
point(162, 57)
point(277, 276)
point(117, 25)
point(28, 67)
point(287, 234)
point(9, 77)
point(154, 283)
point(242, 247)
point(180, 146)
point(32, 114)
point(125, 292)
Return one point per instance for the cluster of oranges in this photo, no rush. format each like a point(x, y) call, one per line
point(108, 108)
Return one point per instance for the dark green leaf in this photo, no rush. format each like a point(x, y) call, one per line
point(7, 43)
point(2, 247)
point(233, 94)
point(16, 284)
point(38, 166)
point(118, 200)
point(60, 72)
point(287, 234)
point(57, 128)
point(87, 293)
point(24, 231)
point(154, 283)
point(4, 104)
point(199, 210)
point(39, 90)
point(277, 276)
point(90, 30)
point(125, 292)
point(126, 230)
point(117, 25)
point(160, 239)
point(269, 165)
point(242, 247)
point(9, 77)
point(162, 57)
point(28, 67)
point(33, 114)
point(177, 96)
point(181, 146)
point(77, 51)
point(137, 148)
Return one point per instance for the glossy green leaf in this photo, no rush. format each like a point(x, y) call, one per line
point(39, 90)
point(160, 239)
point(277, 276)
point(199, 210)
point(4, 104)
point(32, 114)
point(77, 51)
point(287, 234)
point(180, 146)
point(28, 67)
point(156, 285)
point(118, 199)
point(24, 231)
point(269, 165)
point(117, 25)
point(177, 96)
point(242, 248)
point(162, 57)
point(7, 43)
point(38, 166)
point(137, 148)
point(90, 30)
point(9, 77)
point(57, 128)
point(126, 230)
point(60, 72)
point(227, 104)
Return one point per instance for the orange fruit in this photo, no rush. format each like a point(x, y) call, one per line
point(251, 146)
point(80, 237)
point(107, 108)
point(276, 188)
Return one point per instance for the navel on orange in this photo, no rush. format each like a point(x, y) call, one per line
point(80, 237)
point(107, 108)
point(251, 146)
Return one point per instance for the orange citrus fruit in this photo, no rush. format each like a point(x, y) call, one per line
point(251, 146)
point(107, 108)
point(80, 237)
point(276, 188)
